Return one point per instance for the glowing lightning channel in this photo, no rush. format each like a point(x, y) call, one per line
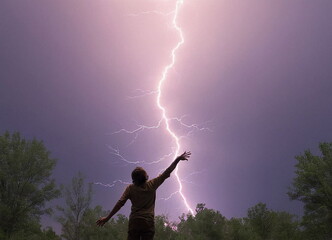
point(179, 3)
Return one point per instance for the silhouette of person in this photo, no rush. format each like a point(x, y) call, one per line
point(142, 194)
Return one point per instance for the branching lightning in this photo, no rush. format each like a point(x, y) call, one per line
point(141, 93)
point(164, 120)
point(152, 12)
point(117, 153)
point(110, 185)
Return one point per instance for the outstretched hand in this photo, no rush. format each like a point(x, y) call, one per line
point(100, 222)
point(184, 156)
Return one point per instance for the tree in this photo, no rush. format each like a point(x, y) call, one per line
point(237, 229)
point(313, 186)
point(263, 224)
point(25, 182)
point(260, 220)
point(115, 229)
point(285, 226)
point(206, 224)
point(34, 232)
point(78, 198)
point(164, 228)
point(119, 227)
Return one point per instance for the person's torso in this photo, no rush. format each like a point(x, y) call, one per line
point(143, 201)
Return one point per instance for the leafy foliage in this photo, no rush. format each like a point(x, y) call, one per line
point(262, 223)
point(313, 186)
point(34, 232)
point(115, 229)
point(164, 228)
point(206, 224)
point(260, 220)
point(26, 185)
point(78, 199)
point(25, 182)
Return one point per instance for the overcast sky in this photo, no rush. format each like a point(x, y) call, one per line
point(256, 73)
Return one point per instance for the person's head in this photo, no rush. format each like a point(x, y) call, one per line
point(139, 176)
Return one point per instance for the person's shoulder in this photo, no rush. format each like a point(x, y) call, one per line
point(133, 186)
point(156, 182)
point(129, 187)
point(151, 182)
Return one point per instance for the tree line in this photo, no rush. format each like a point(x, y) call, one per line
point(26, 186)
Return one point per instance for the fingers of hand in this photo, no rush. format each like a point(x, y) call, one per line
point(186, 155)
point(100, 222)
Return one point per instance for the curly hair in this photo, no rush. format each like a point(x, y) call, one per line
point(139, 176)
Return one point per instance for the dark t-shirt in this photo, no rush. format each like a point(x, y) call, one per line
point(143, 197)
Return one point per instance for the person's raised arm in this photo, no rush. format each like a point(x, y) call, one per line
point(156, 182)
point(183, 157)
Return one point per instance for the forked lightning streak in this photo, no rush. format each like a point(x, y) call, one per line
point(164, 120)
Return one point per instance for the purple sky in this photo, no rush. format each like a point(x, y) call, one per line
point(257, 73)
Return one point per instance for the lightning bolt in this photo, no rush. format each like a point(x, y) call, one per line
point(165, 118)
point(151, 12)
point(110, 185)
